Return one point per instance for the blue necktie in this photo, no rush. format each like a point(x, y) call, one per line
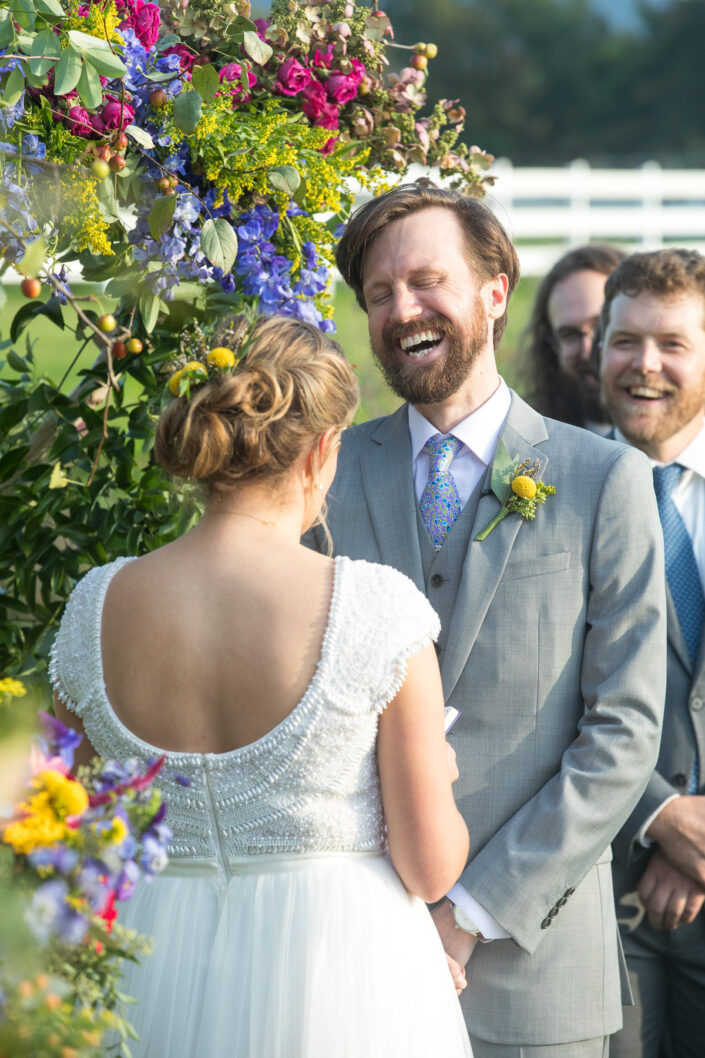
point(440, 502)
point(681, 571)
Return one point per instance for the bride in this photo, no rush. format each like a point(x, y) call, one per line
point(298, 701)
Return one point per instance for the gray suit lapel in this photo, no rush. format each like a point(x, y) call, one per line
point(388, 483)
point(485, 560)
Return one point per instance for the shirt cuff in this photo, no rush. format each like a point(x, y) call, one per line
point(641, 836)
point(488, 926)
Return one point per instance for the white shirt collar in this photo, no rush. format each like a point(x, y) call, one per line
point(692, 457)
point(479, 431)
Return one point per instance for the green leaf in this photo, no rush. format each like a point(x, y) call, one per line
point(33, 258)
point(219, 243)
point(7, 30)
point(106, 201)
point(187, 111)
point(16, 362)
point(89, 88)
point(140, 136)
point(206, 82)
point(52, 310)
point(24, 12)
point(161, 215)
point(149, 311)
point(258, 50)
point(20, 320)
point(14, 87)
point(284, 178)
point(106, 63)
point(67, 72)
point(50, 7)
point(46, 49)
point(502, 469)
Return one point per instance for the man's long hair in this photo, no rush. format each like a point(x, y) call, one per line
point(549, 390)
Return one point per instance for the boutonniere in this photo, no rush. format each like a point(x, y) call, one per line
point(516, 487)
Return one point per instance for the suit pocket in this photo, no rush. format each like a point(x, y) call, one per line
point(517, 568)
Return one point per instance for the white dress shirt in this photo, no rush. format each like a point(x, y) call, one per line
point(689, 498)
point(479, 433)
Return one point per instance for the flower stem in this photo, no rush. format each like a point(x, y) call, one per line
point(495, 521)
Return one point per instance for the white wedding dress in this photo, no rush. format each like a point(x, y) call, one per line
point(280, 927)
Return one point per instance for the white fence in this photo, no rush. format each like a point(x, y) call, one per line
point(547, 211)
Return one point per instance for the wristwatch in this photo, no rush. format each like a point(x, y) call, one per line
point(464, 922)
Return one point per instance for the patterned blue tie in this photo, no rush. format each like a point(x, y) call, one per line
point(681, 571)
point(440, 502)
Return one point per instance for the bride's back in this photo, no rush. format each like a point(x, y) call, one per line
point(209, 643)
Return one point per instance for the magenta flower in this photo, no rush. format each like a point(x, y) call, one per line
point(292, 77)
point(186, 57)
point(325, 58)
point(328, 118)
point(341, 87)
point(113, 111)
point(79, 123)
point(314, 100)
point(144, 18)
point(232, 73)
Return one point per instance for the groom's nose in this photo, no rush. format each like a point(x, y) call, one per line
point(405, 305)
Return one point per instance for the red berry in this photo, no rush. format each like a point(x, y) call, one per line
point(31, 288)
point(119, 350)
point(134, 345)
point(162, 183)
point(158, 97)
point(117, 162)
point(431, 51)
point(103, 152)
point(120, 142)
point(419, 62)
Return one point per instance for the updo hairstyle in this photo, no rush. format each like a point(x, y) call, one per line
point(293, 384)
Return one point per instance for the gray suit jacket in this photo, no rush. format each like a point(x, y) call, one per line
point(556, 657)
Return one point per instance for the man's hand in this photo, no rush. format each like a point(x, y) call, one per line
point(458, 944)
point(458, 974)
point(679, 829)
point(669, 897)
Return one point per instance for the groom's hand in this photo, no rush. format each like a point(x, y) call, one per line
point(458, 944)
point(670, 898)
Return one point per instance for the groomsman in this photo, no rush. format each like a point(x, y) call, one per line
point(653, 375)
point(553, 622)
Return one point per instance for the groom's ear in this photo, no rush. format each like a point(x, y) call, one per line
point(495, 294)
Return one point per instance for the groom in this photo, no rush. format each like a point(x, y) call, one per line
point(553, 629)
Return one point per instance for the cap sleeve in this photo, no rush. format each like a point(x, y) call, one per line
point(387, 621)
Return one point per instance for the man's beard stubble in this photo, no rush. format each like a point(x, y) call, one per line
point(440, 379)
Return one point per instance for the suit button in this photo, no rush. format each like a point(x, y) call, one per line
point(436, 580)
point(679, 779)
point(546, 923)
point(562, 902)
point(569, 892)
point(697, 704)
point(553, 912)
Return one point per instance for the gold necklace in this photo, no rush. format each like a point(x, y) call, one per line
point(243, 514)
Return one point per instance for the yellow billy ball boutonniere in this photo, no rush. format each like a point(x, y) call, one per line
point(516, 487)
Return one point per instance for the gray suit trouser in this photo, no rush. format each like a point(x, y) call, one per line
point(597, 1048)
point(667, 975)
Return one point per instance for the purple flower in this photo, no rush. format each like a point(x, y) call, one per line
point(49, 915)
point(58, 857)
point(59, 740)
point(127, 880)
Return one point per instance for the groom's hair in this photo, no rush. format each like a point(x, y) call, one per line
point(668, 273)
point(489, 249)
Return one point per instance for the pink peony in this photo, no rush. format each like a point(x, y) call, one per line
point(232, 72)
point(328, 118)
point(292, 77)
point(146, 23)
point(112, 111)
point(314, 100)
point(358, 71)
point(341, 88)
point(262, 25)
point(323, 58)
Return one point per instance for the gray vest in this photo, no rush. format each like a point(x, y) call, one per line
point(442, 569)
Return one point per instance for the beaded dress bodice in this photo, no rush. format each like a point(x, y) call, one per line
point(311, 783)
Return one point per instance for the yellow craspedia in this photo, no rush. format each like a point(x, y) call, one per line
point(524, 487)
point(221, 357)
point(175, 380)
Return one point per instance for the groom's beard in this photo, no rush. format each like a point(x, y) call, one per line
point(435, 382)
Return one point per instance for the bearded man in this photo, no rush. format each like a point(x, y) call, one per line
point(553, 624)
point(653, 375)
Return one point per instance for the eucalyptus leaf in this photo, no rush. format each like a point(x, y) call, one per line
point(14, 86)
point(50, 7)
point(258, 50)
point(105, 62)
point(24, 13)
point(33, 258)
point(89, 87)
point(46, 49)
point(206, 82)
point(161, 215)
point(67, 72)
point(219, 243)
point(149, 311)
point(284, 178)
point(502, 469)
point(84, 41)
point(16, 362)
point(106, 201)
point(7, 30)
point(187, 111)
point(140, 136)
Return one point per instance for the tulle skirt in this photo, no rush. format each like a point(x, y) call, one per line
point(319, 956)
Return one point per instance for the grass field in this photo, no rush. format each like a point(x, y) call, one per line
point(54, 349)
